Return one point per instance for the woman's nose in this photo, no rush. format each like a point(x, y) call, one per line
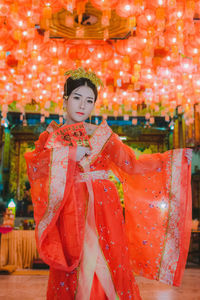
point(82, 104)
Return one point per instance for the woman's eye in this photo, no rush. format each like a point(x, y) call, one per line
point(89, 101)
point(77, 98)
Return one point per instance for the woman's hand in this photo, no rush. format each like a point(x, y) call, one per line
point(81, 152)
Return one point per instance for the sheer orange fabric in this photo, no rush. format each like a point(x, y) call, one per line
point(157, 209)
point(149, 241)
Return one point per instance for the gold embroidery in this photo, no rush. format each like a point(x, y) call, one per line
point(97, 141)
point(59, 167)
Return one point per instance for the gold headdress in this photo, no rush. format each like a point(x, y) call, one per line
point(81, 73)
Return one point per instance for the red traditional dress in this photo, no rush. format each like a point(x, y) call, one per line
point(80, 228)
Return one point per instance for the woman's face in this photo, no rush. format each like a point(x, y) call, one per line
point(80, 104)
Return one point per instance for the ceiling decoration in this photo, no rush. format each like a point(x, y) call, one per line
point(146, 52)
point(66, 25)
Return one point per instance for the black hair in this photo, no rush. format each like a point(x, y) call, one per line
point(72, 84)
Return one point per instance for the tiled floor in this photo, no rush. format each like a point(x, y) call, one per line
point(33, 287)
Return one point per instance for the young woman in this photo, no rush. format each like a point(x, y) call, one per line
point(80, 228)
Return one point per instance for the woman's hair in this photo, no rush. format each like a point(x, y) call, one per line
point(72, 84)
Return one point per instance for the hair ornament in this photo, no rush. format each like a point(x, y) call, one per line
point(81, 73)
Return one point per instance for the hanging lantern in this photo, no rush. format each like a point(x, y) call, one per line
point(105, 5)
point(147, 19)
point(79, 52)
point(56, 49)
point(126, 8)
point(102, 53)
point(11, 61)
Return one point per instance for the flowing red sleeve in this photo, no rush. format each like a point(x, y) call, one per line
point(157, 196)
point(48, 172)
point(124, 157)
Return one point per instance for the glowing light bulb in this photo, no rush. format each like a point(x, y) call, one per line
point(198, 82)
point(54, 49)
point(60, 62)
point(25, 33)
point(149, 76)
point(195, 50)
point(35, 47)
point(179, 14)
point(149, 17)
point(124, 93)
point(168, 58)
point(179, 87)
point(167, 72)
point(88, 61)
point(127, 7)
point(174, 40)
point(39, 58)
point(30, 76)
point(48, 79)
point(99, 55)
point(104, 95)
point(34, 67)
point(186, 66)
point(25, 90)
point(20, 23)
point(128, 49)
point(114, 99)
point(116, 61)
point(121, 73)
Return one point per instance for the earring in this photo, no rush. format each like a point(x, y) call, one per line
point(65, 97)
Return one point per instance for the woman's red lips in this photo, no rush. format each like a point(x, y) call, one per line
point(80, 113)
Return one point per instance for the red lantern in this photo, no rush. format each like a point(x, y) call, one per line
point(104, 5)
point(79, 52)
point(126, 8)
point(147, 19)
point(11, 61)
point(102, 53)
point(55, 48)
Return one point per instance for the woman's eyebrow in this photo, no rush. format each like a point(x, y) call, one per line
point(90, 98)
point(78, 94)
